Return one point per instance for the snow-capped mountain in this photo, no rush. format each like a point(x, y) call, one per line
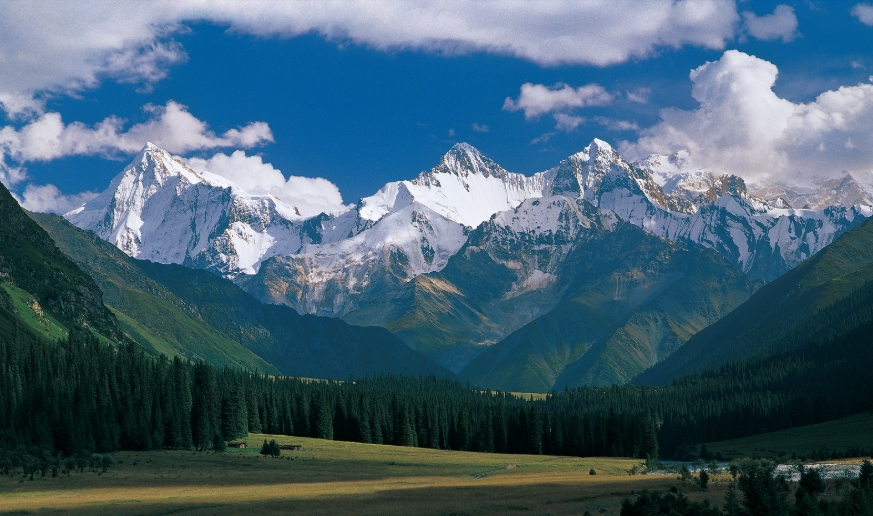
point(466, 187)
point(161, 210)
point(841, 191)
point(512, 246)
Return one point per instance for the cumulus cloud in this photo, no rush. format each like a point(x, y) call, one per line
point(639, 95)
point(567, 122)
point(171, 127)
point(864, 13)
point(52, 48)
point(743, 127)
point(11, 175)
point(174, 129)
point(310, 196)
point(61, 48)
point(782, 24)
point(538, 99)
point(49, 199)
point(617, 125)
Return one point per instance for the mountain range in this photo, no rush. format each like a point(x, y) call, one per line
point(56, 277)
point(586, 273)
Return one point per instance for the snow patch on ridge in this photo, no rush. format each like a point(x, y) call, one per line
point(159, 209)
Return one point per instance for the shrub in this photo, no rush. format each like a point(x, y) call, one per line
point(703, 480)
point(271, 448)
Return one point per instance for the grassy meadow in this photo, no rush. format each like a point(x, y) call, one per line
point(336, 478)
point(849, 432)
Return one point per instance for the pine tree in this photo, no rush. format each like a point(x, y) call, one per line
point(323, 416)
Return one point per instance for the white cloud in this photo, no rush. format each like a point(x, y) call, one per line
point(743, 127)
point(543, 138)
point(310, 196)
point(51, 48)
point(567, 122)
point(64, 47)
point(782, 24)
point(639, 95)
point(539, 99)
point(48, 199)
point(480, 128)
point(864, 13)
point(617, 125)
point(174, 129)
point(171, 127)
point(11, 175)
point(598, 32)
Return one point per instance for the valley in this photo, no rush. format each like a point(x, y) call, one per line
point(442, 258)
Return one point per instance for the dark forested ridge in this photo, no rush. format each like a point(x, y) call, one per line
point(80, 394)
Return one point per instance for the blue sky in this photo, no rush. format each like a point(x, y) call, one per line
point(361, 94)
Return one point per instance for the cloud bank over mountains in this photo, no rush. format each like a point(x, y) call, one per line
point(310, 196)
point(171, 127)
point(743, 127)
point(51, 49)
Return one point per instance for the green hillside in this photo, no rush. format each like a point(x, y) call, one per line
point(146, 310)
point(43, 292)
point(823, 297)
point(853, 432)
point(193, 313)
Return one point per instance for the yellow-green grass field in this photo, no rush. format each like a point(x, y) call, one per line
point(850, 432)
point(336, 478)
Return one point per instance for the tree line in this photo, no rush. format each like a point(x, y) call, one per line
point(80, 395)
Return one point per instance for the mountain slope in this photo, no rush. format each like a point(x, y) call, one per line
point(147, 311)
point(467, 253)
point(196, 314)
point(579, 277)
point(299, 345)
point(629, 300)
point(778, 316)
point(159, 209)
point(42, 288)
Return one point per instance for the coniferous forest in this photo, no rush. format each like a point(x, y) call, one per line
point(80, 394)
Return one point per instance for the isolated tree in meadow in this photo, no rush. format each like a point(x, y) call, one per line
point(271, 448)
point(684, 473)
point(703, 480)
